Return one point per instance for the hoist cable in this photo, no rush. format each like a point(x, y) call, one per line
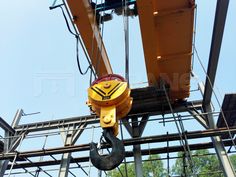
point(182, 142)
point(194, 37)
point(126, 32)
point(217, 100)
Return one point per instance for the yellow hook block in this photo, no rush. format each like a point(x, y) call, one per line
point(110, 99)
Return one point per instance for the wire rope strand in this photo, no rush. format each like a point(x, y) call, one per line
point(182, 142)
point(99, 51)
point(194, 36)
point(126, 33)
point(217, 100)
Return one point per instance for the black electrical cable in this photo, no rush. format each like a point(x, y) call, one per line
point(67, 23)
point(77, 41)
point(77, 58)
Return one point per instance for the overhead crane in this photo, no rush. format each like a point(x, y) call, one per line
point(167, 38)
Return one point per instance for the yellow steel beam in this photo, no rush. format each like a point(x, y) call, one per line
point(167, 32)
point(84, 18)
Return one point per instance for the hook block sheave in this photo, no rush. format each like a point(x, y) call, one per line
point(109, 97)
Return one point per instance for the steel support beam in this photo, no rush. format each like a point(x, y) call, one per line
point(6, 127)
point(138, 160)
point(206, 145)
point(127, 142)
point(69, 135)
point(137, 148)
point(225, 162)
point(217, 36)
point(54, 124)
point(136, 131)
point(10, 144)
point(66, 157)
point(201, 119)
point(92, 119)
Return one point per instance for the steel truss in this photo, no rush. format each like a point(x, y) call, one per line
point(71, 129)
point(15, 133)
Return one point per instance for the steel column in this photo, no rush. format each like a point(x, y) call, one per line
point(70, 135)
point(10, 144)
point(225, 162)
point(217, 36)
point(137, 149)
point(66, 157)
point(138, 161)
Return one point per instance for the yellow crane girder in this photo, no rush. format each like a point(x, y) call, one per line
point(167, 35)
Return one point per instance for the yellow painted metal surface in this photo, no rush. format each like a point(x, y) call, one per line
point(167, 34)
point(84, 19)
point(111, 101)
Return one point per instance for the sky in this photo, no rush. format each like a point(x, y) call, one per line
point(38, 69)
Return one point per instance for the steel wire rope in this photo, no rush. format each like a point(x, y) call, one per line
point(98, 57)
point(97, 64)
point(185, 138)
point(126, 33)
point(217, 100)
point(182, 142)
point(125, 15)
point(92, 49)
point(194, 36)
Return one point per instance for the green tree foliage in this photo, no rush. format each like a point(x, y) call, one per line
point(117, 173)
point(233, 160)
point(202, 165)
point(151, 168)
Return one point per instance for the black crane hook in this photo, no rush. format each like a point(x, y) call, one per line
point(111, 161)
